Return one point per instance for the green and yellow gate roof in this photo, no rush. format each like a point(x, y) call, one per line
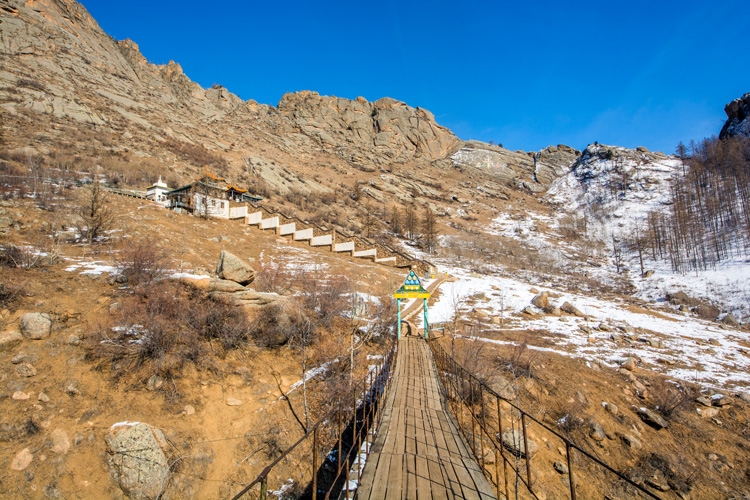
point(412, 288)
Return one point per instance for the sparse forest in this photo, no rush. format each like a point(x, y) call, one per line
point(709, 218)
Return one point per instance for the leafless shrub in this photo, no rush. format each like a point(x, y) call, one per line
point(328, 296)
point(165, 326)
point(275, 326)
point(20, 257)
point(142, 262)
point(217, 320)
point(570, 418)
point(274, 277)
point(195, 154)
point(10, 293)
point(519, 361)
point(671, 398)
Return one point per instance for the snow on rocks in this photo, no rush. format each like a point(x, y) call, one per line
point(671, 343)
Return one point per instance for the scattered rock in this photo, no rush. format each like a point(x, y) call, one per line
point(9, 339)
point(20, 396)
point(25, 370)
point(658, 481)
point(513, 442)
point(74, 339)
point(677, 298)
point(597, 432)
point(43, 398)
point(22, 460)
point(730, 320)
point(154, 383)
point(655, 343)
point(188, 410)
point(36, 326)
point(569, 308)
point(234, 402)
point(628, 364)
point(60, 442)
point(651, 418)
point(528, 310)
point(585, 329)
point(560, 467)
point(136, 459)
point(720, 400)
point(604, 327)
point(744, 397)
point(555, 311)
point(630, 441)
point(708, 412)
point(703, 400)
point(611, 408)
point(72, 390)
point(233, 268)
point(541, 301)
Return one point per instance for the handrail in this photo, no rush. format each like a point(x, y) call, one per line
point(452, 374)
point(364, 418)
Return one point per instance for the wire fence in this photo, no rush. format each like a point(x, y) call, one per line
point(497, 431)
point(330, 456)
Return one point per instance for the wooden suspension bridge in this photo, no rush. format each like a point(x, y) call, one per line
point(403, 441)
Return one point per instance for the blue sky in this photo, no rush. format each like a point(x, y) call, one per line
point(524, 74)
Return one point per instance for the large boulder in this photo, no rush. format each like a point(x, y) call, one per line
point(36, 326)
point(136, 459)
point(233, 268)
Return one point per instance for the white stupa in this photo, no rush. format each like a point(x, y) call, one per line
point(158, 192)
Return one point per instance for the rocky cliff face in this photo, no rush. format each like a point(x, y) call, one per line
point(62, 74)
point(738, 118)
point(385, 131)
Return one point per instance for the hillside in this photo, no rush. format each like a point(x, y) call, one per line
point(572, 280)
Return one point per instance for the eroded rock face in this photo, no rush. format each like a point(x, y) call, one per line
point(386, 130)
point(232, 268)
point(136, 459)
point(738, 118)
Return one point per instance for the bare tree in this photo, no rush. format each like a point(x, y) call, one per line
point(616, 253)
point(429, 230)
point(396, 221)
point(95, 215)
point(368, 221)
point(410, 221)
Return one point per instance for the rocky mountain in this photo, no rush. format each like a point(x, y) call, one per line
point(67, 87)
point(738, 118)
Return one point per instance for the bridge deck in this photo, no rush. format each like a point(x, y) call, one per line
point(419, 452)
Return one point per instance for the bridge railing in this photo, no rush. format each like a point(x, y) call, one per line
point(332, 452)
point(497, 431)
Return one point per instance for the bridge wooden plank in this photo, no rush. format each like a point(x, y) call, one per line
point(419, 452)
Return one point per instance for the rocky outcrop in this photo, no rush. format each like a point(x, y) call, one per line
point(232, 268)
point(553, 162)
point(738, 118)
point(136, 459)
point(385, 131)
